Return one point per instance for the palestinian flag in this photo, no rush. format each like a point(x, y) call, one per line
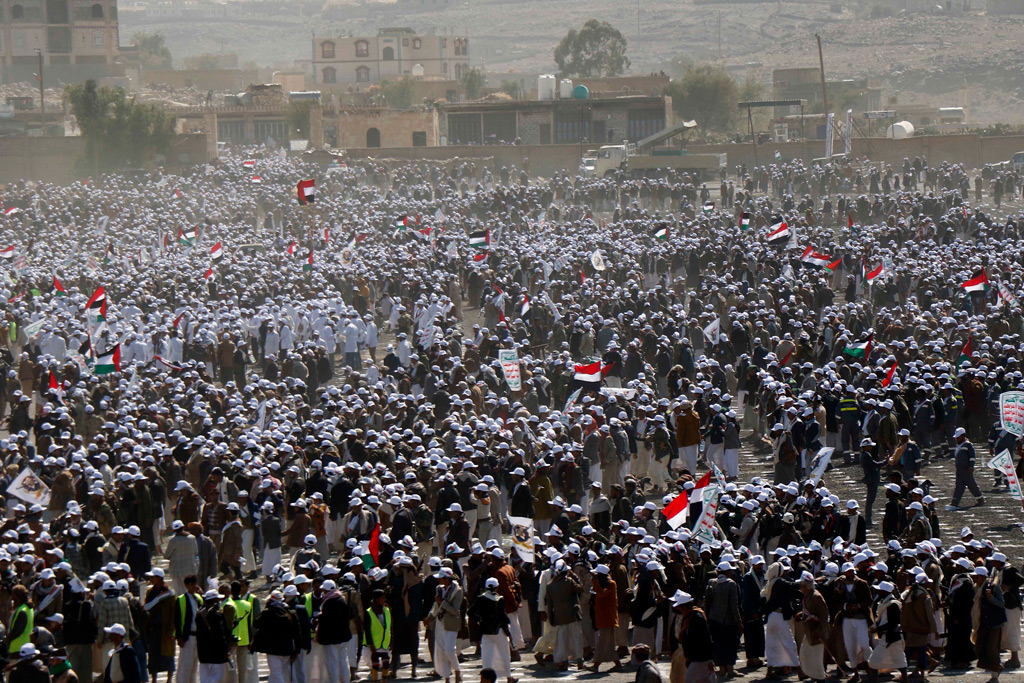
point(306, 190)
point(54, 385)
point(217, 251)
point(356, 238)
point(966, 353)
point(779, 232)
point(249, 163)
point(166, 364)
point(187, 236)
point(861, 349)
point(977, 284)
point(745, 220)
point(256, 179)
point(210, 275)
point(849, 221)
point(97, 304)
point(8, 253)
point(402, 222)
point(108, 362)
point(835, 264)
point(309, 262)
point(479, 257)
point(480, 239)
point(370, 550)
point(291, 249)
point(708, 207)
point(58, 288)
point(12, 211)
point(589, 373)
point(814, 258)
point(661, 232)
point(889, 375)
point(878, 272)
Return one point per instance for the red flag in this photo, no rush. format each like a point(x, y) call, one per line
point(788, 356)
point(834, 264)
point(677, 511)
point(849, 220)
point(374, 544)
point(889, 375)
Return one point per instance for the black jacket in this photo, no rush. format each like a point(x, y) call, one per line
point(213, 636)
point(79, 622)
point(697, 638)
point(30, 671)
point(333, 624)
point(276, 631)
point(521, 504)
point(129, 666)
point(489, 611)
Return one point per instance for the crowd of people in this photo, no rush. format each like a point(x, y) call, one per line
point(322, 430)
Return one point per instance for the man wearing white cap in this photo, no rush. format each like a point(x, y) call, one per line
point(963, 457)
point(1009, 579)
point(122, 665)
point(447, 613)
point(182, 555)
point(888, 652)
point(815, 618)
point(214, 639)
point(495, 637)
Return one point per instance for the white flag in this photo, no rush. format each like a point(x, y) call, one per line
point(596, 260)
point(712, 331)
point(1003, 463)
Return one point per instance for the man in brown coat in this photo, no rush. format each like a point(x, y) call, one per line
point(687, 437)
point(231, 544)
point(918, 622)
point(563, 612)
point(814, 618)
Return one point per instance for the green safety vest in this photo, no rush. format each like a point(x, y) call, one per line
point(308, 601)
point(25, 637)
point(380, 633)
point(243, 619)
point(183, 607)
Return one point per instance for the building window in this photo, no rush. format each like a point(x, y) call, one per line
point(98, 39)
point(363, 74)
point(417, 43)
point(17, 12)
point(388, 55)
point(19, 40)
point(444, 68)
point(458, 47)
point(405, 42)
point(465, 47)
point(97, 11)
point(329, 74)
point(419, 139)
point(327, 50)
point(362, 48)
point(458, 72)
point(373, 137)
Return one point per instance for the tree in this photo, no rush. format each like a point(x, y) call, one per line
point(472, 83)
point(153, 53)
point(511, 88)
point(707, 94)
point(119, 132)
point(398, 94)
point(597, 49)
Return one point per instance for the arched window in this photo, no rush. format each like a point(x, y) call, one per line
point(363, 74)
point(329, 74)
point(362, 48)
point(417, 43)
point(17, 12)
point(465, 47)
point(458, 47)
point(97, 11)
point(388, 55)
point(373, 138)
point(327, 50)
point(458, 72)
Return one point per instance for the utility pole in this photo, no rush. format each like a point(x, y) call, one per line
point(719, 35)
point(638, 30)
point(821, 66)
point(39, 77)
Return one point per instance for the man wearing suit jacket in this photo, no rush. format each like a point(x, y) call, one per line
point(521, 500)
point(123, 665)
point(447, 614)
point(854, 525)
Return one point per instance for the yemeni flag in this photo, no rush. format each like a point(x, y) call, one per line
point(889, 375)
point(8, 253)
point(977, 284)
point(306, 190)
point(58, 288)
point(745, 220)
point(779, 232)
point(291, 249)
point(217, 251)
point(97, 304)
point(187, 237)
point(370, 550)
point(249, 163)
point(256, 180)
point(309, 262)
point(12, 211)
point(166, 364)
point(661, 232)
point(589, 374)
point(813, 258)
point(210, 275)
point(966, 353)
point(861, 349)
point(479, 257)
point(108, 362)
point(481, 239)
point(524, 308)
point(697, 494)
point(677, 511)
point(871, 275)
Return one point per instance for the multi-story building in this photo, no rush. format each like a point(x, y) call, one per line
point(68, 33)
point(391, 54)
